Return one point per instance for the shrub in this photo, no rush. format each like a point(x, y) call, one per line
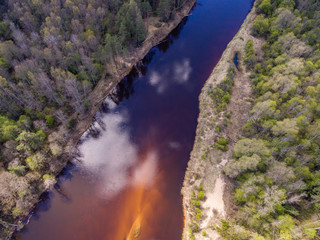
point(201, 195)
point(222, 144)
point(19, 170)
point(16, 212)
point(195, 203)
point(71, 124)
point(195, 226)
point(48, 177)
point(49, 180)
point(199, 213)
point(264, 7)
point(225, 225)
point(239, 196)
point(50, 121)
point(261, 26)
point(30, 140)
point(35, 162)
point(250, 59)
point(221, 93)
point(55, 149)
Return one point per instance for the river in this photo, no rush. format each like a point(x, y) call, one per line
point(127, 181)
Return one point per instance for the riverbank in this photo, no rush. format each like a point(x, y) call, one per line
point(157, 32)
point(104, 87)
point(206, 191)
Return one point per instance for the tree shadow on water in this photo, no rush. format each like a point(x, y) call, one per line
point(165, 44)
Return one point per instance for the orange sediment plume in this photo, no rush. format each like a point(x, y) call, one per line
point(135, 230)
point(134, 218)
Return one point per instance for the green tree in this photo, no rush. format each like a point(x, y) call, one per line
point(5, 33)
point(146, 9)
point(4, 64)
point(9, 129)
point(236, 167)
point(132, 28)
point(289, 4)
point(261, 26)
point(249, 147)
point(265, 7)
point(30, 140)
point(164, 10)
point(50, 120)
point(36, 162)
point(250, 58)
point(287, 127)
point(201, 195)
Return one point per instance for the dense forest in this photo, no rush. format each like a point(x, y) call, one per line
point(276, 166)
point(52, 55)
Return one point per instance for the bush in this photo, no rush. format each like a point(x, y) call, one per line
point(239, 196)
point(265, 7)
point(19, 170)
point(49, 180)
point(225, 225)
point(5, 32)
point(56, 149)
point(199, 213)
point(16, 212)
point(201, 195)
point(48, 177)
point(221, 93)
point(5, 64)
point(50, 121)
point(250, 59)
point(261, 26)
point(35, 162)
point(222, 144)
point(195, 203)
point(288, 4)
point(30, 141)
point(195, 226)
point(71, 124)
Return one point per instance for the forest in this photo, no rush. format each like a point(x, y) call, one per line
point(52, 55)
point(276, 165)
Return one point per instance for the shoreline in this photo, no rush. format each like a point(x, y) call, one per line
point(104, 88)
point(100, 92)
point(206, 163)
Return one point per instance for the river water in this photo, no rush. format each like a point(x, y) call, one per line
point(128, 179)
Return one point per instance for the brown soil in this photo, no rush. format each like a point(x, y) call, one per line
point(206, 162)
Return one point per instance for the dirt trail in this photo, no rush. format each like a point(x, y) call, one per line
point(206, 162)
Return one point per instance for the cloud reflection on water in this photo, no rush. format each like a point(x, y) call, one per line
point(111, 156)
point(179, 73)
point(144, 174)
point(156, 80)
point(182, 71)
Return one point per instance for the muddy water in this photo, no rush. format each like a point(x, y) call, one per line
point(126, 184)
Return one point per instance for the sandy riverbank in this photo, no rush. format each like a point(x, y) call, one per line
point(206, 162)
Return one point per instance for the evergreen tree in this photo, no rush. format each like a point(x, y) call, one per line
point(164, 10)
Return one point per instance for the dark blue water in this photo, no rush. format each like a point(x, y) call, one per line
point(131, 174)
point(235, 60)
